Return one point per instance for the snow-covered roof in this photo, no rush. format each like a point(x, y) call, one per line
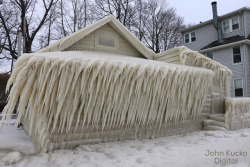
point(64, 43)
point(106, 56)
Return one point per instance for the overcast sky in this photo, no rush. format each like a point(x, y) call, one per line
point(195, 11)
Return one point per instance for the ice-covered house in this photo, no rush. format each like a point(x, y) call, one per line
point(102, 84)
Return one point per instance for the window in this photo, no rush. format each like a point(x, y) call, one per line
point(187, 38)
point(190, 36)
point(236, 55)
point(193, 38)
point(231, 25)
point(210, 55)
point(238, 87)
point(226, 26)
point(107, 41)
point(235, 23)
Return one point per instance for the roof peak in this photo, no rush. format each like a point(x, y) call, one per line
point(71, 39)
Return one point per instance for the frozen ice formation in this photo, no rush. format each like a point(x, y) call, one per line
point(82, 89)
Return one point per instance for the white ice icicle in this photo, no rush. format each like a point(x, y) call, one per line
point(70, 93)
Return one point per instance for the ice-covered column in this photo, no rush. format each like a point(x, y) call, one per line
point(237, 114)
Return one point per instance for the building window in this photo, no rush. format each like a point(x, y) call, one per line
point(187, 38)
point(231, 25)
point(238, 87)
point(107, 41)
point(236, 55)
point(235, 23)
point(210, 55)
point(190, 36)
point(226, 27)
point(193, 38)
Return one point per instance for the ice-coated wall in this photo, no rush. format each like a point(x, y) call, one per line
point(237, 114)
point(61, 92)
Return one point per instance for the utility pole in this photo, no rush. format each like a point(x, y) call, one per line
point(24, 35)
point(19, 38)
point(85, 13)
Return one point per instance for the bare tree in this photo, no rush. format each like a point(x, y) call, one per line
point(49, 31)
point(153, 22)
point(8, 30)
point(51, 19)
point(171, 36)
point(160, 26)
point(23, 15)
point(142, 12)
point(123, 10)
point(73, 15)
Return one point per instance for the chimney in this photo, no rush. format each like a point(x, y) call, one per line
point(216, 25)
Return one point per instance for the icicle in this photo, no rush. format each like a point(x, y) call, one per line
point(223, 74)
point(65, 92)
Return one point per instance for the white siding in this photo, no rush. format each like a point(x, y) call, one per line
point(88, 43)
point(235, 32)
point(247, 23)
point(225, 57)
point(204, 36)
point(171, 57)
point(248, 68)
point(207, 34)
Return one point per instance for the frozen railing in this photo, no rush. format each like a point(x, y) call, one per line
point(221, 82)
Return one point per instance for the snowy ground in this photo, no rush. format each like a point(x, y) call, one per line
point(187, 150)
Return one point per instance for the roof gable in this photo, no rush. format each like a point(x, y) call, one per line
point(68, 41)
point(106, 39)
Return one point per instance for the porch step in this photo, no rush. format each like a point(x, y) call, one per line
point(215, 122)
point(208, 122)
point(217, 117)
point(212, 127)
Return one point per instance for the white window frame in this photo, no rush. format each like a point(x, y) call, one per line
point(230, 22)
point(190, 37)
point(223, 28)
point(238, 23)
point(209, 57)
point(233, 55)
point(243, 94)
point(185, 38)
point(194, 36)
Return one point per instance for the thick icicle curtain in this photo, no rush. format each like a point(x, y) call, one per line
point(223, 74)
point(103, 91)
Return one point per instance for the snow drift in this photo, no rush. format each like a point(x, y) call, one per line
point(12, 158)
point(62, 92)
